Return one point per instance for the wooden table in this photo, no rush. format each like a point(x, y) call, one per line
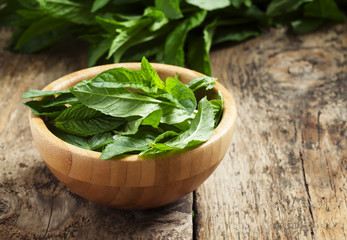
point(285, 176)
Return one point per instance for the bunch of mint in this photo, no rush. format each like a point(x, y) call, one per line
point(177, 32)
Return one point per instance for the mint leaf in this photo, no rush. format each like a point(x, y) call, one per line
point(156, 149)
point(306, 25)
point(117, 102)
point(217, 107)
point(70, 138)
point(42, 27)
point(184, 95)
point(200, 82)
point(39, 93)
point(279, 7)
point(61, 99)
point(99, 140)
point(173, 115)
point(131, 126)
point(146, 79)
point(153, 119)
point(173, 51)
point(83, 121)
point(125, 144)
point(151, 76)
point(200, 131)
point(165, 136)
point(171, 8)
point(210, 5)
point(98, 4)
point(126, 34)
point(199, 46)
point(39, 108)
point(71, 11)
point(160, 20)
point(201, 128)
point(326, 9)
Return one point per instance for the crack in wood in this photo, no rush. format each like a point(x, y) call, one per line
point(319, 130)
point(50, 213)
point(306, 186)
point(195, 216)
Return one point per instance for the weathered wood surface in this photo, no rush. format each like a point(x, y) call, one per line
point(286, 173)
point(285, 176)
point(33, 203)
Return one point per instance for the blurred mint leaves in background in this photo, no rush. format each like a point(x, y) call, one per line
point(178, 32)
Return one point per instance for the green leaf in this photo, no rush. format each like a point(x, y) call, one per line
point(126, 34)
point(144, 36)
point(173, 115)
point(200, 131)
point(121, 78)
point(158, 16)
point(72, 11)
point(174, 45)
point(98, 4)
point(158, 148)
point(32, 93)
point(238, 3)
point(125, 2)
point(70, 138)
point(99, 140)
point(131, 126)
point(36, 43)
point(306, 25)
point(217, 107)
point(326, 9)
point(153, 119)
point(199, 48)
point(202, 82)
point(83, 121)
point(182, 93)
point(210, 5)
point(168, 135)
point(128, 144)
point(117, 102)
point(9, 12)
point(38, 28)
point(145, 79)
point(151, 76)
point(238, 34)
point(183, 126)
point(201, 128)
point(39, 108)
point(171, 8)
point(151, 48)
point(98, 50)
point(279, 7)
point(110, 25)
point(62, 99)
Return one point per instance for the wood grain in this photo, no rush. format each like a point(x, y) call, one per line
point(285, 175)
point(33, 203)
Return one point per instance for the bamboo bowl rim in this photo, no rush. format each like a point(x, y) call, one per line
point(226, 123)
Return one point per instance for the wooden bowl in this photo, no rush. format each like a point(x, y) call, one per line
point(133, 182)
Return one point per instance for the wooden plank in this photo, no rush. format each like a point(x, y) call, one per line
point(285, 174)
point(33, 203)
